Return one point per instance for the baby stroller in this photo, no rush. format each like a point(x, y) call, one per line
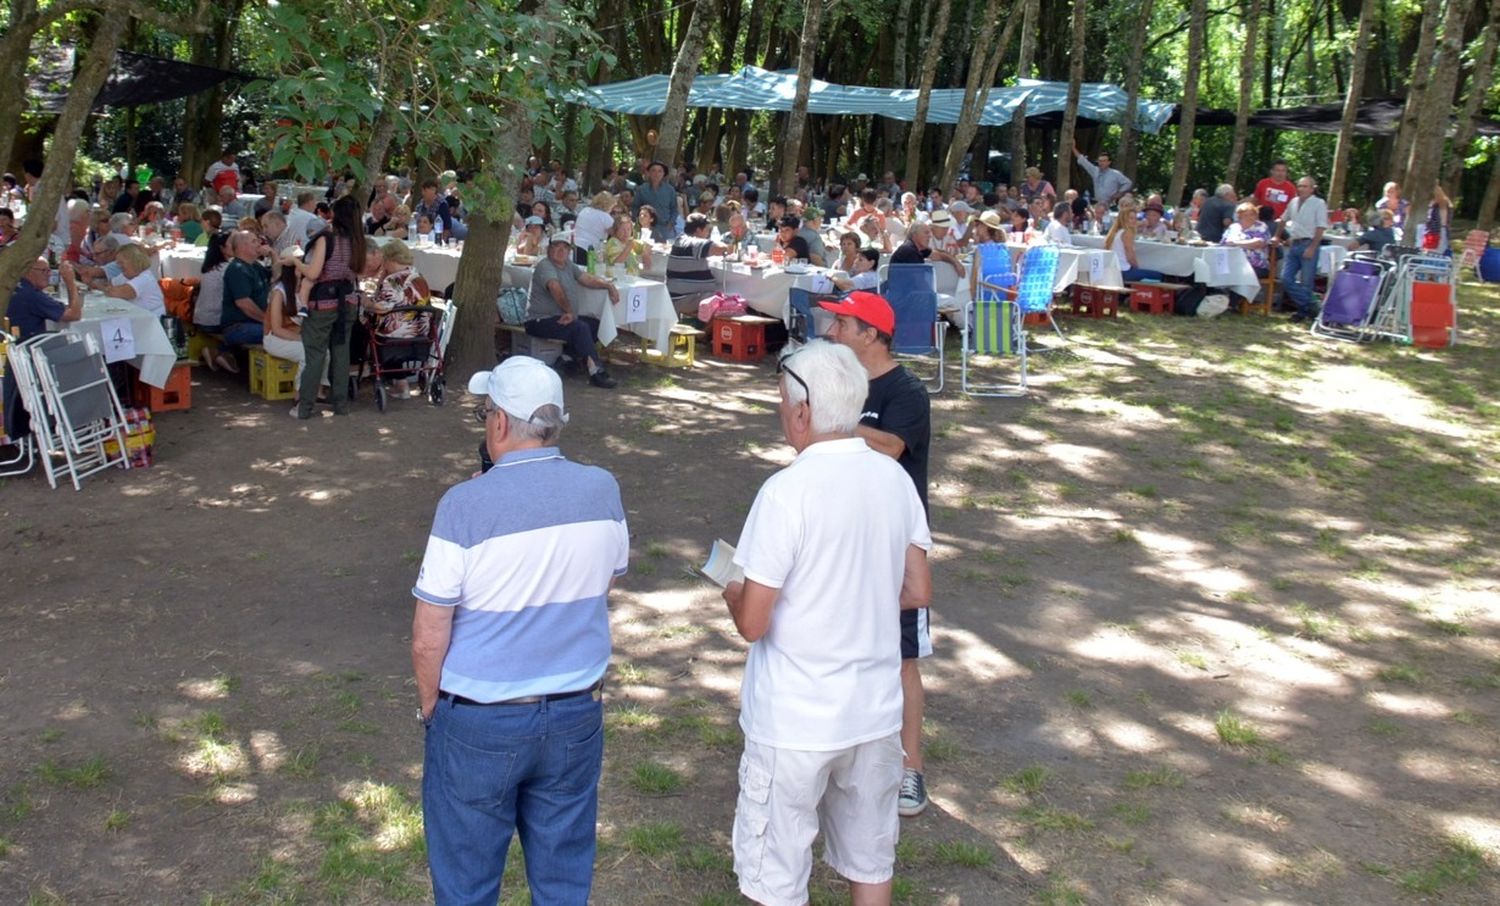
point(1355, 295)
point(418, 358)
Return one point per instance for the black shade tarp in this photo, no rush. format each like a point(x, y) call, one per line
point(1376, 116)
point(135, 79)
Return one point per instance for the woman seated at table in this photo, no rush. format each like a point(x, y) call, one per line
point(213, 222)
point(154, 219)
point(283, 336)
point(1121, 239)
point(987, 227)
point(189, 221)
point(1152, 227)
point(874, 235)
point(908, 212)
point(138, 285)
point(543, 210)
point(1377, 237)
point(646, 219)
point(864, 274)
point(402, 333)
point(623, 248)
point(849, 246)
point(1250, 233)
point(530, 240)
point(209, 306)
point(1020, 226)
point(399, 225)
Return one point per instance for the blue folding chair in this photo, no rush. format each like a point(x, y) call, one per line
point(1034, 286)
point(912, 291)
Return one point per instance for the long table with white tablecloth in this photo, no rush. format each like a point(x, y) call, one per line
point(644, 309)
point(1212, 265)
point(119, 325)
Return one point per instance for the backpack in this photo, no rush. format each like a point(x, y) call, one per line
point(512, 304)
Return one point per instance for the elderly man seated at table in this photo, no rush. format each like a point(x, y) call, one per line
point(230, 204)
point(1216, 213)
point(1382, 234)
point(917, 249)
point(137, 284)
point(1152, 227)
point(943, 239)
point(811, 231)
point(1058, 230)
point(247, 286)
point(105, 268)
point(689, 280)
point(273, 227)
point(557, 286)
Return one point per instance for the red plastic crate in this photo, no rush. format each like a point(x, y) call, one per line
point(1096, 302)
point(178, 394)
point(741, 338)
point(1433, 318)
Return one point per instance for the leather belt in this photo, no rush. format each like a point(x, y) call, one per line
point(526, 700)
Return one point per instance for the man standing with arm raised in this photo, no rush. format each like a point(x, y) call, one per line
point(834, 546)
point(510, 641)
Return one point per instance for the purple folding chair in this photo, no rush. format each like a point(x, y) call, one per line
point(1350, 300)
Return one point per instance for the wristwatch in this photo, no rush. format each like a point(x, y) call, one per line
point(422, 719)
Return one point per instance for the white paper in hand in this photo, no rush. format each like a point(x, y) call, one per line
point(720, 568)
point(635, 304)
point(118, 338)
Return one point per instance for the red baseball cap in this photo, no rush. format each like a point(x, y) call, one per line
point(867, 307)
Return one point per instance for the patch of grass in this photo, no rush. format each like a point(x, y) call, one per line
point(633, 717)
point(143, 719)
point(411, 558)
point(17, 804)
point(372, 843)
point(630, 674)
point(657, 549)
point(1467, 718)
point(1045, 817)
point(1193, 659)
point(654, 779)
point(1124, 536)
point(51, 734)
point(1384, 727)
point(1134, 814)
point(1079, 698)
point(718, 737)
point(644, 568)
point(681, 630)
point(1311, 623)
point(304, 761)
point(4, 847)
point(1236, 731)
point(712, 859)
point(1461, 864)
point(211, 725)
point(362, 727)
point(1120, 844)
point(963, 854)
point(1059, 892)
point(1408, 674)
point(939, 747)
point(654, 838)
point(94, 772)
point(1451, 627)
point(117, 820)
point(1161, 775)
point(1029, 780)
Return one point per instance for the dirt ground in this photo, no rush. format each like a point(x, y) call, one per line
point(1216, 617)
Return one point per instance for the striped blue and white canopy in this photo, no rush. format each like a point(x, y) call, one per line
point(753, 88)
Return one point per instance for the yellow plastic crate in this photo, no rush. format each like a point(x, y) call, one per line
point(272, 378)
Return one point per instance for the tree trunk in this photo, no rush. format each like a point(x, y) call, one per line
point(203, 113)
point(1433, 112)
point(689, 55)
point(924, 94)
point(1362, 37)
point(15, 51)
point(796, 121)
point(1479, 88)
point(1075, 90)
point(1183, 159)
point(481, 265)
point(1247, 85)
point(1029, 26)
point(1487, 207)
point(57, 177)
point(982, 71)
point(378, 146)
point(1126, 153)
point(893, 129)
point(1416, 88)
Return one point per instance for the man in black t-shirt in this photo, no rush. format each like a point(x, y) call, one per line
point(788, 240)
point(897, 421)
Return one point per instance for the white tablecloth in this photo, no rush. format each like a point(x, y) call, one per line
point(1201, 263)
point(765, 289)
point(182, 262)
point(1076, 265)
point(660, 315)
point(438, 265)
point(154, 353)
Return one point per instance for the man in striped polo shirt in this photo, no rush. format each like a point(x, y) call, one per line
point(510, 643)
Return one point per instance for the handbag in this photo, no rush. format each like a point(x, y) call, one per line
point(720, 305)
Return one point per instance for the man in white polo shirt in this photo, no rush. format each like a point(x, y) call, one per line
point(834, 547)
point(1304, 220)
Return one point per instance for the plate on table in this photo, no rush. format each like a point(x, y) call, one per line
point(523, 260)
point(797, 269)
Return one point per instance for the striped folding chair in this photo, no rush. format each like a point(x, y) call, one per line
point(992, 328)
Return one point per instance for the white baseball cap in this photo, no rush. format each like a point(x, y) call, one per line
point(520, 385)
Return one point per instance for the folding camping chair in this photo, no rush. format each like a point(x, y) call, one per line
point(992, 327)
point(912, 291)
point(79, 398)
point(1355, 293)
point(16, 364)
point(1474, 245)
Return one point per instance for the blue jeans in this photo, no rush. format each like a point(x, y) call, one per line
point(491, 771)
point(1297, 275)
point(1140, 273)
point(243, 333)
point(578, 337)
